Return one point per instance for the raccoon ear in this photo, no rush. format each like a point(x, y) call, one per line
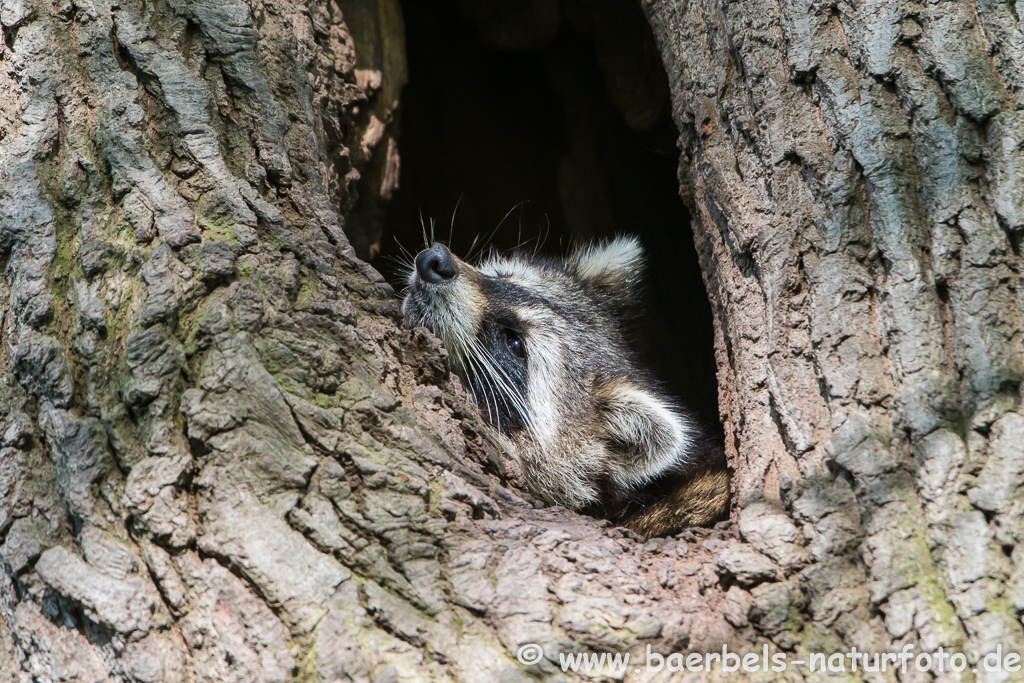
point(643, 429)
point(614, 266)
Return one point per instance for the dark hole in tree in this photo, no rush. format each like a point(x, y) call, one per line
point(564, 107)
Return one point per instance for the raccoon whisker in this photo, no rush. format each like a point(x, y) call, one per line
point(475, 378)
point(423, 227)
point(547, 233)
point(403, 273)
point(519, 236)
point(495, 396)
point(471, 378)
point(494, 232)
point(499, 376)
point(403, 264)
point(480, 373)
point(501, 391)
point(481, 376)
point(405, 252)
point(486, 381)
point(451, 230)
point(472, 246)
point(522, 243)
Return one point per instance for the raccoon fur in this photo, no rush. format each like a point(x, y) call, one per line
point(541, 344)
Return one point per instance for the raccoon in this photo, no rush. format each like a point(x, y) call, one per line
point(541, 344)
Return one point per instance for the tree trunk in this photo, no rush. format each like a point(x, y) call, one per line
point(223, 459)
point(855, 174)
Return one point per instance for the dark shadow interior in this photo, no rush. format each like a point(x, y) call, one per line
point(555, 118)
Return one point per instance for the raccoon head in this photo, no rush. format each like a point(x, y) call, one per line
point(541, 344)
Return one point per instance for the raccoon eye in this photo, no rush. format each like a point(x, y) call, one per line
point(515, 344)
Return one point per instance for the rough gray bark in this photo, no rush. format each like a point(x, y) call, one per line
point(855, 173)
point(222, 459)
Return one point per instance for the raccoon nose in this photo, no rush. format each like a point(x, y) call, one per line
point(436, 265)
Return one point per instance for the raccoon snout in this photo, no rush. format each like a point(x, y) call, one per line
point(436, 265)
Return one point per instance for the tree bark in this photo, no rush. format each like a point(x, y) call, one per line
point(223, 458)
point(855, 173)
